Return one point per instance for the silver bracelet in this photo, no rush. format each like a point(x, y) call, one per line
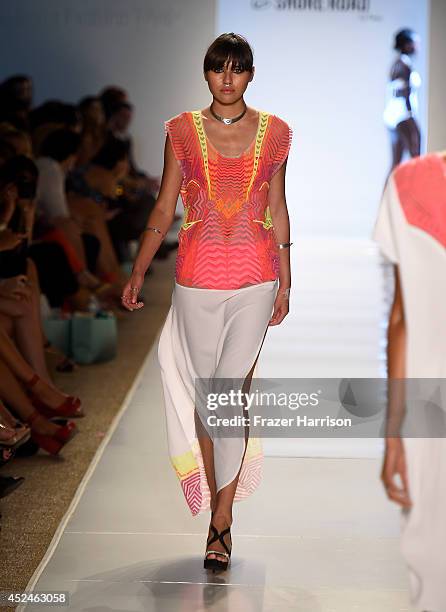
point(284, 245)
point(155, 229)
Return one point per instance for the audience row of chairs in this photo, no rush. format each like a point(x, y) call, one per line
point(73, 201)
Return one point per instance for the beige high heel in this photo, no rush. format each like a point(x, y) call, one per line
point(11, 438)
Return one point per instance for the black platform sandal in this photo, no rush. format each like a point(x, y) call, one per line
point(217, 564)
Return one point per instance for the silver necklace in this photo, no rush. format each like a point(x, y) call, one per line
point(224, 119)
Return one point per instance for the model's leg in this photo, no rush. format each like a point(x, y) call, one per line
point(207, 452)
point(414, 138)
point(246, 317)
point(398, 146)
point(223, 515)
point(226, 495)
point(246, 320)
point(408, 139)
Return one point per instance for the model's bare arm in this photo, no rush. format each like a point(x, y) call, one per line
point(161, 217)
point(279, 214)
point(400, 77)
point(396, 334)
point(394, 460)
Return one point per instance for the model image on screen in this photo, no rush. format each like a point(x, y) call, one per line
point(400, 114)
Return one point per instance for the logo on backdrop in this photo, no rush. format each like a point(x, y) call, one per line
point(261, 4)
point(342, 6)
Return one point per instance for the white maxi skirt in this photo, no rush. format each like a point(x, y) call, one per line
point(211, 334)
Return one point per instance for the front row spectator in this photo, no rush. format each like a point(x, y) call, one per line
point(55, 223)
point(22, 362)
point(94, 202)
point(93, 129)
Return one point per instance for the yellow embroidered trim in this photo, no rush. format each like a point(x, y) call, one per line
point(263, 124)
point(196, 116)
point(268, 221)
point(184, 464)
point(188, 224)
point(261, 131)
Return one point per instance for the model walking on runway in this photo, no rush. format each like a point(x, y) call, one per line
point(401, 112)
point(232, 277)
point(411, 233)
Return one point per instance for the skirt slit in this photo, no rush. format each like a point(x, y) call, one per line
point(207, 339)
point(245, 389)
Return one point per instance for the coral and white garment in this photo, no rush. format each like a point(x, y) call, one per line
point(411, 232)
point(226, 240)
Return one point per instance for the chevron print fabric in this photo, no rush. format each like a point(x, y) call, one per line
point(226, 240)
point(421, 187)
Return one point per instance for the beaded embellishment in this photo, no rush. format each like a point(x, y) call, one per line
point(261, 131)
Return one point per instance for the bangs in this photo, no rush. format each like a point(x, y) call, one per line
point(226, 48)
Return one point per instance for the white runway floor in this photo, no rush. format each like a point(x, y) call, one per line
point(317, 536)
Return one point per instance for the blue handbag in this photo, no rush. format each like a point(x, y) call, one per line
point(94, 338)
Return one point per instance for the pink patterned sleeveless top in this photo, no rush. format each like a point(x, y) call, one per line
point(226, 240)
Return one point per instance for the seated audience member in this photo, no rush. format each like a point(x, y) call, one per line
point(110, 96)
point(50, 116)
point(19, 140)
point(21, 338)
point(93, 202)
point(6, 151)
point(16, 98)
point(93, 131)
point(58, 153)
point(139, 189)
point(18, 179)
point(119, 113)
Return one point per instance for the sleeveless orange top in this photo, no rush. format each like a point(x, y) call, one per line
point(226, 240)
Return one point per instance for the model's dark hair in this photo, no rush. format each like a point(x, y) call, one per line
point(60, 144)
point(403, 37)
point(229, 47)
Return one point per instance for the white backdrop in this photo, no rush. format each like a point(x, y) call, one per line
point(155, 49)
point(325, 73)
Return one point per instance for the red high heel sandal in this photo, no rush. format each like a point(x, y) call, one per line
point(52, 444)
point(70, 407)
